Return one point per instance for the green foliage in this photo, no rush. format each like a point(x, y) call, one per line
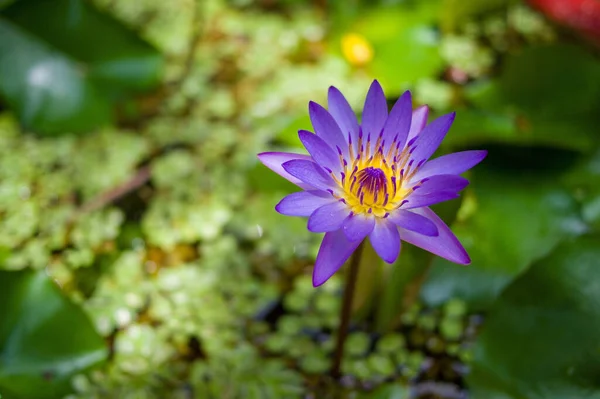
point(38, 354)
point(502, 234)
point(455, 12)
point(54, 79)
point(395, 32)
point(508, 109)
point(237, 377)
point(161, 227)
point(540, 340)
point(391, 391)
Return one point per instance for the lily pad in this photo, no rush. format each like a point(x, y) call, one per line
point(55, 72)
point(44, 338)
point(541, 338)
point(545, 95)
point(511, 218)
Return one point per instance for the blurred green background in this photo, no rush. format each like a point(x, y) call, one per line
point(140, 254)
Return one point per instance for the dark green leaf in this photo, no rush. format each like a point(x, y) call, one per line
point(74, 28)
point(44, 338)
point(5, 3)
point(63, 64)
point(479, 126)
point(541, 338)
point(509, 219)
point(552, 81)
point(544, 96)
point(583, 182)
point(47, 90)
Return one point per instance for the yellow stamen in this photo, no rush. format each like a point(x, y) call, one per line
point(374, 184)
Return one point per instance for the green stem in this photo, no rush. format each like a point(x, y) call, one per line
point(346, 311)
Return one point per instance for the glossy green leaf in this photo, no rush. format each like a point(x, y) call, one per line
point(55, 72)
point(540, 340)
point(46, 89)
point(484, 126)
point(544, 96)
point(552, 81)
point(5, 3)
point(44, 338)
point(510, 218)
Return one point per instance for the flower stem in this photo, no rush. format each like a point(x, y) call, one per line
point(346, 310)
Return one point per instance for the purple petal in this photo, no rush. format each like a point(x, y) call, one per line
point(274, 161)
point(418, 201)
point(453, 183)
point(414, 222)
point(445, 244)
point(431, 137)
point(303, 203)
point(320, 151)
point(358, 226)
point(334, 251)
point(329, 217)
point(310, 173)
point(419, 120)
point(375, 111)
point(343, 115)
point(398, 122)
point(327, 128)
point(385, 240)
point(450, 164)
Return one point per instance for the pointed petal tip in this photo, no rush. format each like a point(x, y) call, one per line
point(314, 106)
point(334, 251)
point(481, 155)
point(462, 258)
point(261, 155)
point(303, 133)
point(318, 281)
point(465, 261)
point(375, 85)
point(278, 207)
point(390, 260)
point(286, 164)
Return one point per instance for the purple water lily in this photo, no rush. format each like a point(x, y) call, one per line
point(373, 179)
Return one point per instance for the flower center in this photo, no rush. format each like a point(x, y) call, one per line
point(370, 186)
point(374, 181)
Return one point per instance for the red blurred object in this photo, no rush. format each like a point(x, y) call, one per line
point(580, 15)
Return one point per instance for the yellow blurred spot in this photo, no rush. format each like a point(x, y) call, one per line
point(356, 49)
